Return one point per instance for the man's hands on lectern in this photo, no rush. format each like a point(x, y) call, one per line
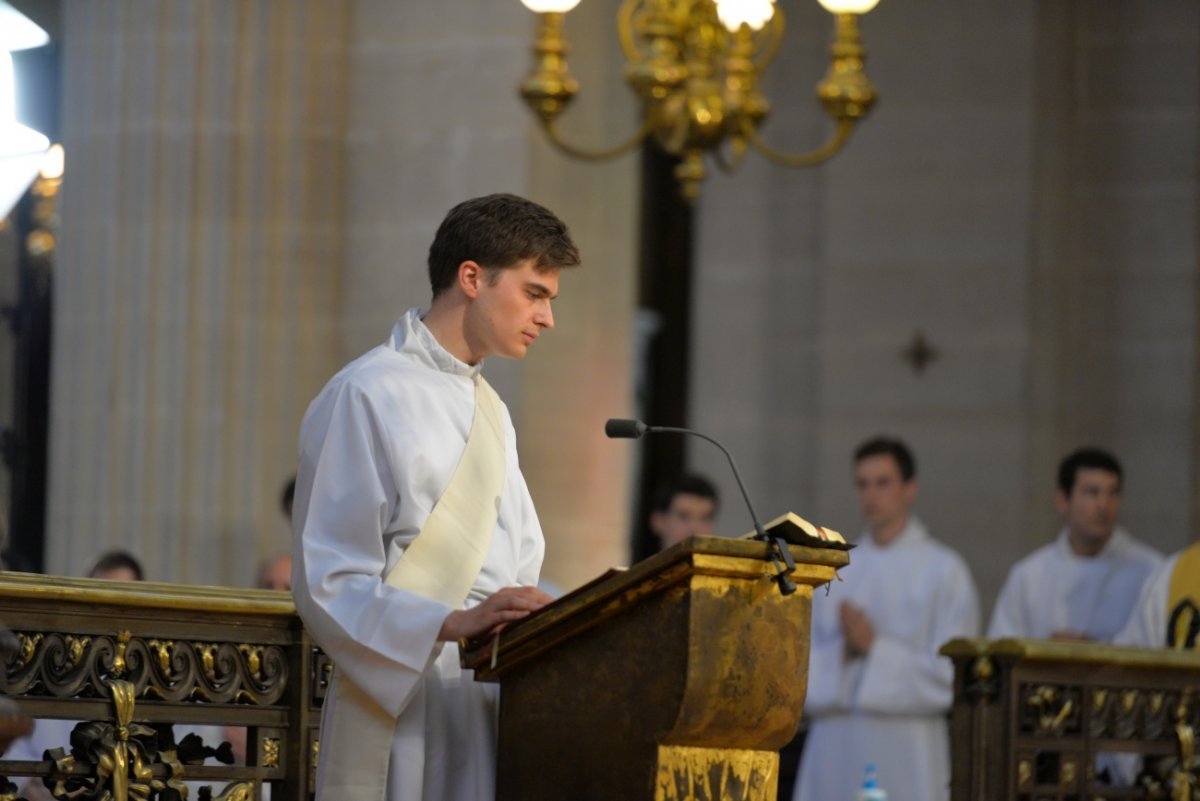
point(857, 630)
point(501, 607)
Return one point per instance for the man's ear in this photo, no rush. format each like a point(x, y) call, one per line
point(1062, 502)
point(471, 277)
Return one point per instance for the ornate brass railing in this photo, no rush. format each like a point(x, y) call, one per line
point(139, 666)
point(1055, 721)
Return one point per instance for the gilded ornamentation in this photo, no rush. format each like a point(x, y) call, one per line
point(1051, 710)
point(162, 650)
point(1183, 779)
point(1069, 774)
point(117, 758)
point(29, 644)
point(75, 648)
point(1024, 773)
point(983, 685)
point(729, 774)
point(253, 655)
point(238, 791)
point(207, 652)
point(118, 662)
point(1100, 712)
point(1157, 723)
point(270, 757)
point(67, 664)
point(9, 791)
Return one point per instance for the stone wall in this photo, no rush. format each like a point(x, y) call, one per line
point(1025, 196)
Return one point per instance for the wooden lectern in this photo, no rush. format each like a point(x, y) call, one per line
point(680, 678)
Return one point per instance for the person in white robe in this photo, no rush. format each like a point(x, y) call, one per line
point(1167, 615)
point(1160, 621)
point(1083, 586)
point(378, 447)
point(878, 692)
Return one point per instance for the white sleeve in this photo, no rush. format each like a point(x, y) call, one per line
point(533, 544)
point(1147, 625)
point(1008, 619)
point(829, 676)
point(381, 637)
point(902, 679)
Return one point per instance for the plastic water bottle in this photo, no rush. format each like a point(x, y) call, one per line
point(871, 791)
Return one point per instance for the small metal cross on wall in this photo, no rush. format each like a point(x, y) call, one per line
point(919, 353)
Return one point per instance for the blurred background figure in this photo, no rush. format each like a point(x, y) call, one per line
point(287, 497)
point(117, 566)
point(1084, 584)
point(685, 507)
point(275, 573)
point(878, 691)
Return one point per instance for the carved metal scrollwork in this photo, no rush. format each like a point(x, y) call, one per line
point(9, 791)
point(113, 761)
point(68, 665)
point(238, 791)
point(1051, 710)
point(1184, 780)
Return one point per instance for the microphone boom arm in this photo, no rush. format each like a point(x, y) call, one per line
point(779, 550)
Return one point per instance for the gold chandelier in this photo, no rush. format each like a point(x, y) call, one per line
point(697, 65)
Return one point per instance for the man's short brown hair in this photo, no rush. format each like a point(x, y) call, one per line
point(498, 231)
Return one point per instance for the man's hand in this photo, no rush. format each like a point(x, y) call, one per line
point(857, 629)
point(502, 606)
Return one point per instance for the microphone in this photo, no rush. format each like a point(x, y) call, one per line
point(624, 429)
point(617, 428)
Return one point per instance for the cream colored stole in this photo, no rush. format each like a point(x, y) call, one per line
point(442, 563)
point(1183, 600)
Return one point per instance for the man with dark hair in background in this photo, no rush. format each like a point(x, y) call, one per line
point(1083, 586)
point(413, 526)
point(878, 692)
point(685, 507)
point(117, 566)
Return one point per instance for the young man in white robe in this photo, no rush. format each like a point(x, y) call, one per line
point(378, 449)
point(1082, 586)
point(878, 692)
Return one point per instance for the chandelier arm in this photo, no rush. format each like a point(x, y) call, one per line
point(774, 43)
point(625, 30)
point(812, 157)
point(729, 163)
point(556, 139)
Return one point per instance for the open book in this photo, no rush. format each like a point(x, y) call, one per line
point(795, 530)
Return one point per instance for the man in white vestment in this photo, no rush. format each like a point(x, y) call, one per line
point(1082, 586)
point(380, 449)
point(878, 692)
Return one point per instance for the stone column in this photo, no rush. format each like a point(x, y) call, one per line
point(198, 281)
